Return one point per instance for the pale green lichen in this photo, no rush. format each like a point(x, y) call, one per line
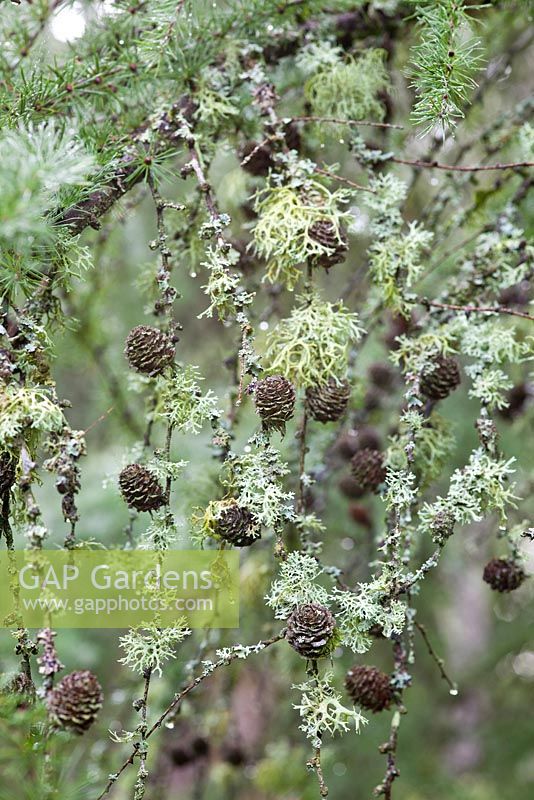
point(350, 90)
point(313, 343)
point(481, 487)
point(369, 606)
point(285, 216)
point(256, 480)
point(148, 647)
point(396, 264)
point(322, 711)
point(33, 410)
point(296, 584)
point(182, 403)
point(431, 443)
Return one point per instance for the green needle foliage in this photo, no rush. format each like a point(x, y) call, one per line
point(445, 62)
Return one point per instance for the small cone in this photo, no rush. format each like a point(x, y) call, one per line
point(361, 515)
point(256, 158)
point(329, 402)
point(310, 629)
point(275, 401)
point(382, 375)
point(238, 526)
point(398, 326)
point(503, 575)
point(441, 378)
point(292, 136)
point(351, 487)
point(356, 439)
point(334, 242)
point(140, 488)
point(518, 397)
point(149, 350)
point(369, 688)
point(368, 469)
point(76, 701)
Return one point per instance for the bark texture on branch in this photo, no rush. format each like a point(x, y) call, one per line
point(166, 132)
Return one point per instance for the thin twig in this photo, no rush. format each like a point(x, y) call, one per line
point(460, 168)
point(303, 449)
point(142, 773)
point(32, 38)
point(389, 749)
point(349, 122)
point(167, 456)
point(176, 701)
point(315, 764)
point(205, 188)
point(439, 661)
point(343, 180)
point(477, 309)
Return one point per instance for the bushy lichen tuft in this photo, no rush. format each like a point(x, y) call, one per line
point(255, 479)
point(147, 646)
point(322, 711)
point(349, 90)
point(282, 232)
point(182, 403)
point(312, 345)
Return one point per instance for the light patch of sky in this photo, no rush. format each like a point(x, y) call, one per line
point(69, 23)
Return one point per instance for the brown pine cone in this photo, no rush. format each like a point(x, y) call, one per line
point(517, 295)
point(368, 437)
point(368, 469)
point(503, 575)
point(369, 688)
point(76, 701)
point(347, 443)
point(333, 240)
point(373, 399)
point(292, 136)
point(329, 402)
point(149, 350)
point(275, 401)
point(8, 470)
point(238, 526)
point(518, 397)
point(140, 488)
point(441, 379)
point(257, 158)
point(356, 439)
point(310, 630)
point(382, 375)
point(188, 745)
